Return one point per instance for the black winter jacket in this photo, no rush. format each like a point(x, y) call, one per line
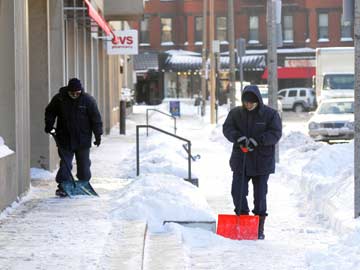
point(77, 119)
point(264, 125)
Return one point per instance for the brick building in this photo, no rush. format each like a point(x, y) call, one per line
point(306, 25)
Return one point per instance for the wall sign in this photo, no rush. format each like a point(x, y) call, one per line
point(127, 45)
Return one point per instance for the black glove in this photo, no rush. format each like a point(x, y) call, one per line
point(252, 144)
point(97, 141)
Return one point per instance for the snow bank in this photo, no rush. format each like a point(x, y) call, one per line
point(153, 158)
point(158, 197)
point(4, 150)
point(328, 182)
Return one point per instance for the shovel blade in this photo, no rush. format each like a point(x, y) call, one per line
point(76, 188)
point(243, 227)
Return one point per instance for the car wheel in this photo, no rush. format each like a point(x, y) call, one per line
point(298, 108)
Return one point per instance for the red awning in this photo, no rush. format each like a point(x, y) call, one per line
point(100, 21)
point(292, 73)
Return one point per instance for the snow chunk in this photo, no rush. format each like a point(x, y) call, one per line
point(37, 173)
point(158, 198)
point(4, 150)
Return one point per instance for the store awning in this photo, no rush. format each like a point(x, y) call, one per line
point(143, 62)
point(292, 73)
point(93, 14)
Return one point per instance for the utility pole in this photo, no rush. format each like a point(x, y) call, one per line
point(231, 38)
point(204, 59)
point(272, 59)
point(212, 64)
point(357, 111)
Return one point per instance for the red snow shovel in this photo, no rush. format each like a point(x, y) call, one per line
point(243, 227)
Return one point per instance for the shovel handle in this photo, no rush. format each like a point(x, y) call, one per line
point(53, 134)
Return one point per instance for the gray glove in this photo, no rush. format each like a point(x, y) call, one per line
point(252, 144)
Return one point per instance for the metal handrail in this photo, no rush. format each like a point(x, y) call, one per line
point(167, 133)
point(164, 113)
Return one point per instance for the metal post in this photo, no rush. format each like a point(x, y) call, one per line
point(189, 160)
point(204, 59)
point(357, 112)
point(272, 59)
point(122, 120)
point(137, 152)
point(147, 122)
point(231, 39)
point(212, 64)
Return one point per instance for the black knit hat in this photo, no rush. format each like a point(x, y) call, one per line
point(74, 85)
point(249, 97)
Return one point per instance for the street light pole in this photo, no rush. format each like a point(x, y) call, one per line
point(212, 64)
point(357, 111)
point(272, 59)
point(204, 59)
point(231, 51)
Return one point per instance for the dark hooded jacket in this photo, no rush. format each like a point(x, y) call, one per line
point(264, 125)
point(77, 119)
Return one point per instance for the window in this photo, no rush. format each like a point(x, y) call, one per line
point(302, 93)
point(282, 93)
point(292, 93)
point(221, 33)
point(323, 27)
point(198, 29)
point(346, 27)
point(166, 30)
point(253, 29)
point(288, 30)
point(144, 31)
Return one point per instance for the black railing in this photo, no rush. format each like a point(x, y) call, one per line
point(190, 157)
point(164, 113)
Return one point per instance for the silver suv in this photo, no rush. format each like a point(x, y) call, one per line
point(298, 99)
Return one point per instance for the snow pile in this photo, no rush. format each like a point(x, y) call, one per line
point(158, 198)
point(327, 181)
point(37, 173)
point(297, 140)
point(4, 150)
point(153, 158)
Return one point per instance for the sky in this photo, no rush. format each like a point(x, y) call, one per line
point(310, 199)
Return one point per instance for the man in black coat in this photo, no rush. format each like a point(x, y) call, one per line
point(254, 129)
point(77, 117)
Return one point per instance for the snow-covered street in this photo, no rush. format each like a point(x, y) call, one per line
point(310, 223)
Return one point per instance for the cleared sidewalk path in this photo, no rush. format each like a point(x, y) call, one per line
point(52, 233)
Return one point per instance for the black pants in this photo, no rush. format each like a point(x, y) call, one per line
point(83, 163)
point(260, 191)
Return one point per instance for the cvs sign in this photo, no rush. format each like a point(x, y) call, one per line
point(128, 43)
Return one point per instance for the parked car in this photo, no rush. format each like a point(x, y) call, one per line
point(298, 99)
point(333, 120)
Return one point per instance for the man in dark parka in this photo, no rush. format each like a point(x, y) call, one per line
point(77, 117)
point(255, 128)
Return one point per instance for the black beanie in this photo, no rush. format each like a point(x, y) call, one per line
point(74, 85)
point(249, 97)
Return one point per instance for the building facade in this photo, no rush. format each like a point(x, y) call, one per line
point(44, 43)
point(177, 24)
point(306, 25)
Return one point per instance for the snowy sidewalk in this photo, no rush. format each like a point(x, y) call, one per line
point(45, 232)
point(52, 233)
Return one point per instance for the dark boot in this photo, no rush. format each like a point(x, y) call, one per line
point(261, 234)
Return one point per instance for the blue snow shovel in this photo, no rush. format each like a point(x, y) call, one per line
point(242, 227)
point(71, 186)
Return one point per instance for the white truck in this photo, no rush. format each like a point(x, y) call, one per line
point(334, 72)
